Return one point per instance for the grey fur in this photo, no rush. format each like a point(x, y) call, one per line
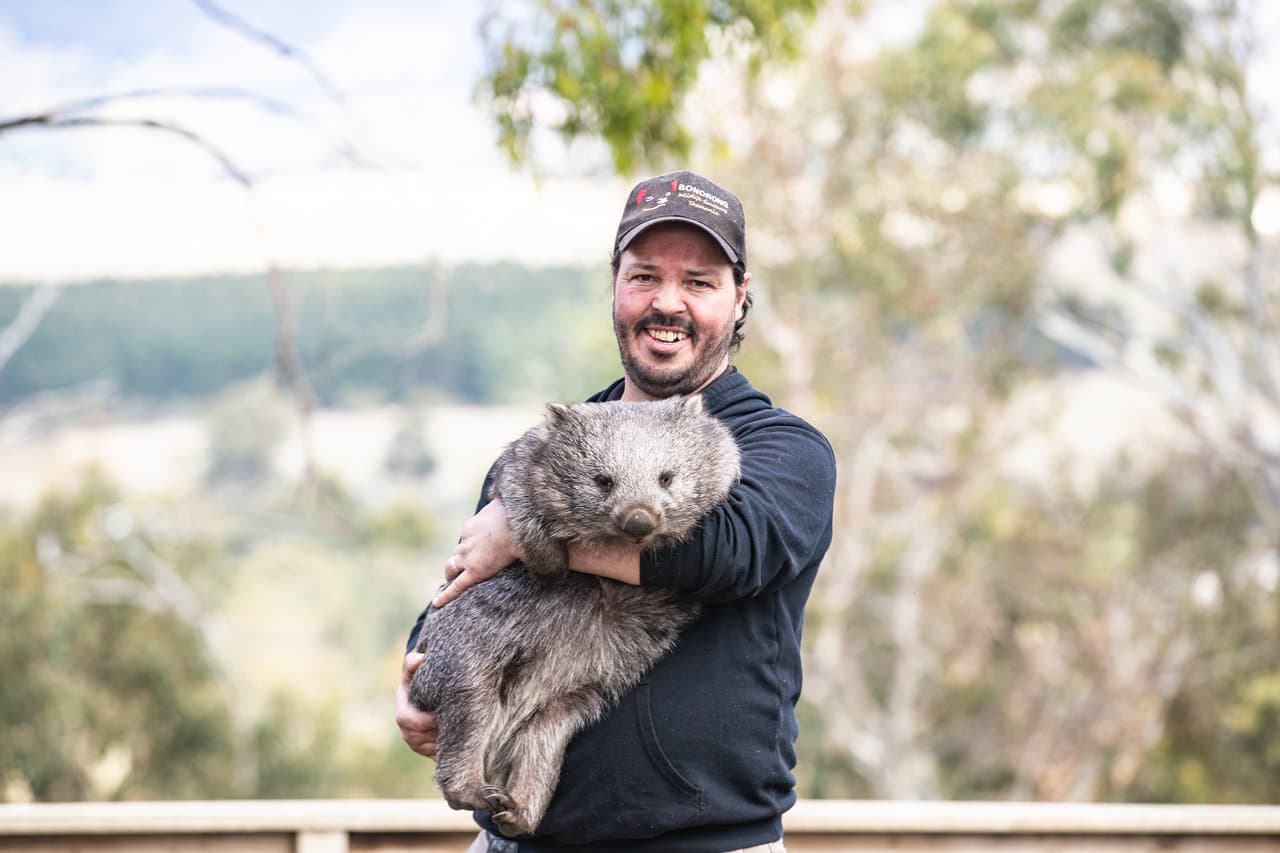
point(517, 665)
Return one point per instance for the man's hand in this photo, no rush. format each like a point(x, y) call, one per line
point(417, 727)
point(486, 548)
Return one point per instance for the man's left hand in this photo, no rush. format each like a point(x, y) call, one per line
point(417, 727)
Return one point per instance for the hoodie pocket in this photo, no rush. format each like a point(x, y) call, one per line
point(619, 783)
point(657, 755)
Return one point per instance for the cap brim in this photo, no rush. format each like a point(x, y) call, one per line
point(629, 237)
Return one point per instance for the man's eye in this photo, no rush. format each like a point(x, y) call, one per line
point(700, 285)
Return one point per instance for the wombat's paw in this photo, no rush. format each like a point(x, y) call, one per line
point(458, 793)
point(504, 811)
point(465, 800)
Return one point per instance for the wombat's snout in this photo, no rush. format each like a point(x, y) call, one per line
point(636, 521)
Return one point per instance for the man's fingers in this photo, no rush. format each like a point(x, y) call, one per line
point(417, 727)
point(412, 661)
point(421, 741)
point(425, 747)
point(455, 588)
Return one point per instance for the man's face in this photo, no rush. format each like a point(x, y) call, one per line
point(674, 305)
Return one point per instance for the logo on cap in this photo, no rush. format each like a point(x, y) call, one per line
point(648, 201)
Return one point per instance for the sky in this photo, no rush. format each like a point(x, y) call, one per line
point(429, 183)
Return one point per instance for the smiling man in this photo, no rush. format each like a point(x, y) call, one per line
point(679, 287)
point(699, 757)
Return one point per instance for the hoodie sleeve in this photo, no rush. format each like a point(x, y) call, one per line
point(775, 523)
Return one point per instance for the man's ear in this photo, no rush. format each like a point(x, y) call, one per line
point(740, 295)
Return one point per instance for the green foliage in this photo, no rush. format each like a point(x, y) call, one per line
point(409, 455)
point(952, 49)
point(1057, 625)
point(110, 687)
point(245, 424)
point(360, 334)
point(148, 337)
point(296, 744)
point(620, 71)
point(402, 525)
point(105, 699)
point(1253, 721)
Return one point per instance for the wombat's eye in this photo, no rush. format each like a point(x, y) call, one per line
point(665, 478)
point(604, 481)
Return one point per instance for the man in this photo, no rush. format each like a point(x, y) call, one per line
point(698, 757)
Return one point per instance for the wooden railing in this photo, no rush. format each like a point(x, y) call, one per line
point(384, 826)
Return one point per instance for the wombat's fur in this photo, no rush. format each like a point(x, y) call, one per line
point(517, 665)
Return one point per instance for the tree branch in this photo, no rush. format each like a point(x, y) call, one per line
point(288, 365)
point(243, 28)
point(20, 329)
point(54, 121)
point(343, 147)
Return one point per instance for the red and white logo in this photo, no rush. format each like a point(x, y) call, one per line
point(651, 200)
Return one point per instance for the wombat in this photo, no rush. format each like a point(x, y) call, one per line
point(518, 664)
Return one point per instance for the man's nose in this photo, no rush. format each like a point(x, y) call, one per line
point(669, 298)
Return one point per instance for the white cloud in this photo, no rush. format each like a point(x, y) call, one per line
point(120, 202)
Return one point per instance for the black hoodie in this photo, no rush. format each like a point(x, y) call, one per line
point(698, 757)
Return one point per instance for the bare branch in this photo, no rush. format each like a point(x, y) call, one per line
point(53, 121)
point(222, 93)
point(19, 331)
point(221, 16)
point(287, 364)
point(1262, 320)
point(344, 148)
point(914, 770)
point(793, 349)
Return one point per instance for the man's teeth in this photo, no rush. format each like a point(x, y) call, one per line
point(667, 335)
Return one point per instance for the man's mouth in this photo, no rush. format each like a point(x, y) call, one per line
point(667, 336)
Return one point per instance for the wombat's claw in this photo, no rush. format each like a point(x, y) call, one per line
point(504, 811)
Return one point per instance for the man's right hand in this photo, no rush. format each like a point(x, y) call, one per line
point(417, 727)
point(485, 548)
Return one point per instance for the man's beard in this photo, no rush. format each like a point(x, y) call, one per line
point(658, 381)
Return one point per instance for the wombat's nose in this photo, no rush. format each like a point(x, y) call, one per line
point(639, 523)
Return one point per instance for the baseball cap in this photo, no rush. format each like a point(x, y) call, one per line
point(685, 197)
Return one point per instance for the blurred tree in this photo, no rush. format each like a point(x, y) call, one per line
point(409, 455)
point(363, 334)
point(117, 681)
point(246, 424)
point(620, 71)
point(951, 172)
point(928, 212)
point(108, 690)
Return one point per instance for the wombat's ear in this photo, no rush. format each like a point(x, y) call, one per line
point(692, 406)
point(558, 414)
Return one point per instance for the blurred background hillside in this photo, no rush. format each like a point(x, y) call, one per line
point(276, 285)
